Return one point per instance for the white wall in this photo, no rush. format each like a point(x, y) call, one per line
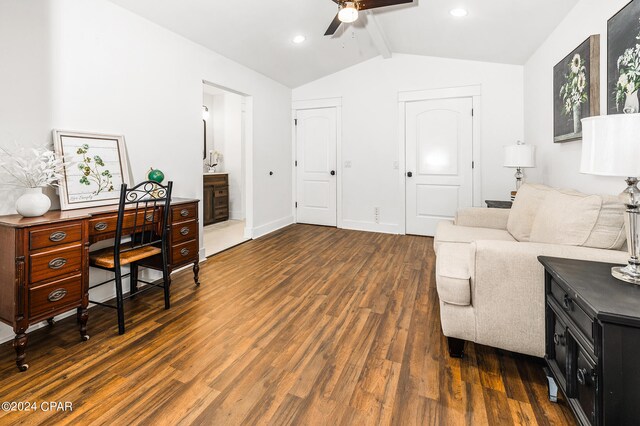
point(93, 66)
point(559, 164)
point(369, 93)
point(233, 154)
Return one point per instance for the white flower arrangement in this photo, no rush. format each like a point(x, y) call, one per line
point(31, 167)
point(573, 91)
point(629, 69)
point(215, 158)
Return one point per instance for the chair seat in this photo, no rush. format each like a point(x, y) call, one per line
point(105, 258)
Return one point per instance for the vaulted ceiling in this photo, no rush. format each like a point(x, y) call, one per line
point(259, 33)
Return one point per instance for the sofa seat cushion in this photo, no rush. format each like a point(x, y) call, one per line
point(453, 274)
point(447, 232)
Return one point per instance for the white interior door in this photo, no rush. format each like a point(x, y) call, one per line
point(439, 155)
point(316, 141)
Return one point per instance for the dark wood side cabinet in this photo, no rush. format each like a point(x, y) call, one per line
point(496, 204)
point(216, 198)
point(44, 266)
point(593, 340)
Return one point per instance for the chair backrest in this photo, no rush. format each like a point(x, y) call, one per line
point(143, 216)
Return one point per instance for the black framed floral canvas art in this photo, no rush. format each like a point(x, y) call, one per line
point(576, 90)
point(623, 60)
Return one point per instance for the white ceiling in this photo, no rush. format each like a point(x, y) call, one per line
point(258, 33)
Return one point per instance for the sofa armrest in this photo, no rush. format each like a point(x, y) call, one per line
point(482, 218)
point(508, 290)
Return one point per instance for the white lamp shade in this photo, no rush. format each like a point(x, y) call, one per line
point(520, 156)
point(611, 145)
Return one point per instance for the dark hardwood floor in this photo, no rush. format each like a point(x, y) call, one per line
point(307, 326)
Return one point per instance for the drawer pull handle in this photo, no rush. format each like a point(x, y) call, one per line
point(582, 376)
point(184, 212)
point(184, 252)
point(57, 263)
point(57, 294)
point(101, 226)
point(57, 236)
point(184, 230)
point(566, 302)
point(559, 339)
point(149, 217)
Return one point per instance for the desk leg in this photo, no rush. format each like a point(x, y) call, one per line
point(83, 317)
point(20, 345)
point(196, 273)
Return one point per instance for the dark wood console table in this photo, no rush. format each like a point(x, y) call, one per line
point(593, 341)
point(44, 267)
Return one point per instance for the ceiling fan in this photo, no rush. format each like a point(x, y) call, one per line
point(348, 10)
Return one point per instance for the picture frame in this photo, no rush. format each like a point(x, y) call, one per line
point(95, 168)
point(623, 60)
point(576, 90)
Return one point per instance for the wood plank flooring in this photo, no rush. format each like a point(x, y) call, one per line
point(307, 326)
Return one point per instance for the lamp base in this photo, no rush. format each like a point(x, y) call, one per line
point(624, 273)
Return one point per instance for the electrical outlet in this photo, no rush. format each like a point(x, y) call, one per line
point(376, 214)
point(347, 164)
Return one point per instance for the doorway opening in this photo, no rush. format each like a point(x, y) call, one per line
point(226, 203)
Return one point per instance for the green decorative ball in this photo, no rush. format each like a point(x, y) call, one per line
point(155, 175)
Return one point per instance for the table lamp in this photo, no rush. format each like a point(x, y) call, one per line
point(611, 147)
point(519, 156)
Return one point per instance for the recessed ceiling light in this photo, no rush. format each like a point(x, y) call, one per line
point(299, 39)
point(458, 12)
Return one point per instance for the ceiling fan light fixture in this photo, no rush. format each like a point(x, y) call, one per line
point(348, 12)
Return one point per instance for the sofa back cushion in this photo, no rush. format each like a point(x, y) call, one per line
point(566, 218)
point(609, 231)
point(572, 218)
point(525, 209)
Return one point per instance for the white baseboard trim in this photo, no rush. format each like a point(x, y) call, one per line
point(358, 225)
point(262, 230)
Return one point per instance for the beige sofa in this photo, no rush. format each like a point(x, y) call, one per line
point(490, 283)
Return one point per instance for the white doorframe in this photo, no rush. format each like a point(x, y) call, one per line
point(473, 92)
point(316, 104)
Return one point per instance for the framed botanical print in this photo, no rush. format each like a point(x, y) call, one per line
point(95, 168)
point(576, 90)
point(623, 60)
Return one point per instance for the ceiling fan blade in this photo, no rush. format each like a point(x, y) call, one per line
point(333, 27)
point(374, 4)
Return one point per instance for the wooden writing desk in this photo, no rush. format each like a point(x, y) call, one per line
point(44, 261)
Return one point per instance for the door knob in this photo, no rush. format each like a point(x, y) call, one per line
point(333, 172)
point(409, 174)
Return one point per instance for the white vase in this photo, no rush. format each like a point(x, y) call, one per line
point(577, 124)
point(33, 203)
point(631, 103)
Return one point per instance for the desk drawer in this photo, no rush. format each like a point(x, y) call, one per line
point(108, 224)
point(184, 212)
point(583, 321)
point(46, 299)
point(184, 231)
point(52, 236)
point(221, 192)
point(55, 263)
point(184, 252)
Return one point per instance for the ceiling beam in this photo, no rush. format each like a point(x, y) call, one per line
point(377, 35)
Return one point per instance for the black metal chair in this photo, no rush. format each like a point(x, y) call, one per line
point(141, 239)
